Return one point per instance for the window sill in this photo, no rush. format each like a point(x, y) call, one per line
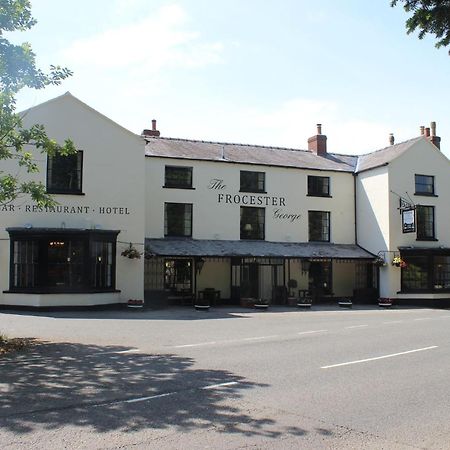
point(59, 291)
point(64, 193)
point(253, 192)
point(179, 187)
point(427, 239)
point(252, 239)
point(424, 291)
point(319, 195)
point(425, 194)
point(179, 236)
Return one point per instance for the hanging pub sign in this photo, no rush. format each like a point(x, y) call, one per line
point(408, 221)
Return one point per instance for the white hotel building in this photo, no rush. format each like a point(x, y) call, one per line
point(231, 221)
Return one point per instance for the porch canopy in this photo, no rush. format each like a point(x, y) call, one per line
point(258, 249)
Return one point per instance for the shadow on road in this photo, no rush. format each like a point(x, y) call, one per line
point(101, 388)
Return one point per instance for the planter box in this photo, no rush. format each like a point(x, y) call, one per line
point(304, 305)
point(261, 306)
point(247, 302)
point(345, 303)
point(292, 301)
point(384, 302)
point(202, 307)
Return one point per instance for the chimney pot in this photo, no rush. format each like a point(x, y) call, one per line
point(319, 128)
point(422, 130)
point(427, 132)
point(433, 128)
point(391, 138)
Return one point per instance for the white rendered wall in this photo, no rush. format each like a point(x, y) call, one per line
point(113, 177)
point(216, 219)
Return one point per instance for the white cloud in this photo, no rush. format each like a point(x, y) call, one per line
point(152, 43)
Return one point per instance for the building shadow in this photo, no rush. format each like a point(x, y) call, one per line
point(113, 389)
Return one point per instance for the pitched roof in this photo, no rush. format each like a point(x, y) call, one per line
point(272, 156)
point(384, 156)
point(263, 249)
point(247, 154)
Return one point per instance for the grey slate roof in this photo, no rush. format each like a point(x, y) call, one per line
point(272, 156)
point(385, 155)
point(247, 154)
point(263, 249)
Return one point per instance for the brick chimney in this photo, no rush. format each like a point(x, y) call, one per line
point(436, 140)
point(153, 131)
point(318, 143)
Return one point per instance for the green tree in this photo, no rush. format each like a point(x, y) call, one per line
point(17, 71)
point(429, 17)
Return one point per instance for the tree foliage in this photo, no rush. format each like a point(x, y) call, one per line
point(17, 71)
point(429, 17)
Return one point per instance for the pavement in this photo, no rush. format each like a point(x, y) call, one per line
point(229, 378)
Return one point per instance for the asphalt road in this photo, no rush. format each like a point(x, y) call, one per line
point(227, 379)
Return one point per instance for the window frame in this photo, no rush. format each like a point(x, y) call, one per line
point(424, 193)
point(41, 239)
point(257, 174)
point(328, 221)
point(50, 171)
point(420, 226)
point(312, 190)
point(430, 261)
point(166, 220)
point(178, 186)
point(259, 234)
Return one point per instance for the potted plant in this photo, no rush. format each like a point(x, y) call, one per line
point(262, 304)
point(135, 303)
point(304, 302)
point(345, 303)
point(385, 302)
point(131, 252)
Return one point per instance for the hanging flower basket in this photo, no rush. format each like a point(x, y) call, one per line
point(379, 262)
point(131, 253)
point(398, 262)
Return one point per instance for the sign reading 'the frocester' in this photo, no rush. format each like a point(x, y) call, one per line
point(247, 199)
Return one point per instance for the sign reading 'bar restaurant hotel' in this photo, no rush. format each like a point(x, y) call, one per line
point(66, 209)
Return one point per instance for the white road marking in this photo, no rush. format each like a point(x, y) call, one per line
point(168, 394)
point(195, 345)
point(312, 331)
point(424, 318)
point(259, 338)
point(215, 386)
point(356, 326)
point(379, 357)
point(393, 321)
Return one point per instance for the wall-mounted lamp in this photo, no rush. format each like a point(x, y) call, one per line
point(199, 264)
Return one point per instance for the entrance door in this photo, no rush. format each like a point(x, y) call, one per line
point(320, 278)
point(250, 280)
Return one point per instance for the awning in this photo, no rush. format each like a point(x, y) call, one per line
point(258, 249)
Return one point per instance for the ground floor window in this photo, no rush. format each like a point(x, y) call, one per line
point(60, 260)
point(426, 271)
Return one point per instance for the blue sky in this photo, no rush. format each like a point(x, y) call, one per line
point(249, 71)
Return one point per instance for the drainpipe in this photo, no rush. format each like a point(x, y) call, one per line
point(354, 207)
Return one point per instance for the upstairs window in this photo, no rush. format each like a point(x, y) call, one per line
point(253, 181)
point(64, 173)
point(319, 226)
point(318, 186)
point(252, 223)
point(425, 222)
point(424, 185)
point(178, 177)
point(178, 219)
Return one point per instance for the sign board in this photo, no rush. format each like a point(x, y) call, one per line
point(408, 221)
